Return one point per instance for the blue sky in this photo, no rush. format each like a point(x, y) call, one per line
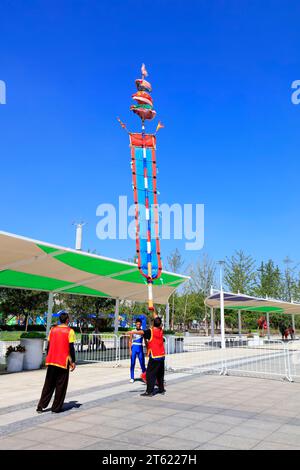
point(221, 73)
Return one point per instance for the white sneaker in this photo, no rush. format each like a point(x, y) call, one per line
point(131, 381)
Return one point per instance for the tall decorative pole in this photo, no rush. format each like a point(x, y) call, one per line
point(144, 176)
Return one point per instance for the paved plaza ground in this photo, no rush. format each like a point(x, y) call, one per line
point(104, 411)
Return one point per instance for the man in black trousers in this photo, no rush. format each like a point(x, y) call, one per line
point(60, 358)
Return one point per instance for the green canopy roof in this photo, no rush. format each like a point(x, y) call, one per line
point(252, 304)
point(35, 265)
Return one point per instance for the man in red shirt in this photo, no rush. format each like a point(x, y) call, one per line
point(60, 357)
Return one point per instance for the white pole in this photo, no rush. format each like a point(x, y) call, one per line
point(240, 323)
point(167, 316)
point(293, 321)
point(223, 343)
point(116, 321)
point(49, 313)
point(78, 243)
point(212, 323)
point(268, 325)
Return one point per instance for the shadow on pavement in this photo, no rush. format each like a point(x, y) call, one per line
point(70, 405)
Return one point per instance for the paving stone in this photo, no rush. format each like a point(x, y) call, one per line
point(119, 413)
point(125, 424)
point(219, 418)
point(104, 444)
point(93, 418)
point(102, 431)
point(67, 425)
point(208, 446)
point(248, 431)
point(174, 420)
point(140, 438)
point(203, 412)
point(193, 434)
point(174, 444)
point(164, 429)
point(238, 443)
point(42, 435)
point(212, 426)
point(44, 446)
point(290, 429)
point(262, 424)
point(15, 443)
point(196, 416)
point(284, 438)
point(73, 441)
point(266, 445)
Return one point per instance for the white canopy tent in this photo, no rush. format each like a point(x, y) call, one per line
point(30, 264)
point(240, 302)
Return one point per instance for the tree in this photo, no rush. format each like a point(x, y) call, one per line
point(80, 307)
point(269, 281)
point(202, 275)
point(290, 290)
point(23, 302)
point(240, 273)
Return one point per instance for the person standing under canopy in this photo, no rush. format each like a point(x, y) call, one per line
point(60, 358)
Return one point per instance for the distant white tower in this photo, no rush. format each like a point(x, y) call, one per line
point(78, 242)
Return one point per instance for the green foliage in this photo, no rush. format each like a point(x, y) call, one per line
point(33, 335)
point(10, 335)
point(239, 273)
point(22, 303)
point(269, 281)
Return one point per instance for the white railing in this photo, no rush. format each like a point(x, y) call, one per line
point(104, 348)
point(293, 359)
point(266, 359)
point(274, 359)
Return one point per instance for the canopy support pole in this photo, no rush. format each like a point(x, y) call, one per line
point(49, 313)
point(116, 319)
point(167, 316)
point(293, 323)
point(212, 324)
point(268, 325)
point(240, 323)
point(223, 344)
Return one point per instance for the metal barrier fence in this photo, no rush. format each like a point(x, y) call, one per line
point(267, 359)
point(274, 359)
point(293, 348)
point(98, 348)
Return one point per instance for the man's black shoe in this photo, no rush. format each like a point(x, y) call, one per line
point(162, 392)
point(146, 394)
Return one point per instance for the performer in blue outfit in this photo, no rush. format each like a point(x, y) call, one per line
point(136, 350)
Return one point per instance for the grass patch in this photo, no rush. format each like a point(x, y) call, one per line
point(10, 335)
